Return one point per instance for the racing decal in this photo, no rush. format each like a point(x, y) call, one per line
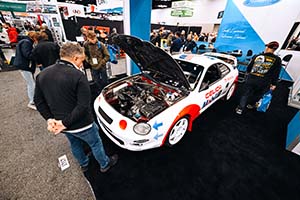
point(212, 92)
point(157, 136)
point(157, 125)
point(123, 124)
point(228, 78)
point(186, 56)
point(212, 95)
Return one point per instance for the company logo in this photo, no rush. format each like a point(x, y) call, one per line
point(259, 3)
point(76, 11)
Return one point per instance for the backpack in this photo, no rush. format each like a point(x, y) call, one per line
point(112, 53)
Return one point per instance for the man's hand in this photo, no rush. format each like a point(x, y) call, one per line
point(51, 125)
point(55, 126)
point(272, 87)
point(59, 127)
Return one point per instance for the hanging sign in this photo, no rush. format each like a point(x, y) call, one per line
point(182, 13)
point(15, 7)
point(182, 9)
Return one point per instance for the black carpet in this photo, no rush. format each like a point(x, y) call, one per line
point(226, 156)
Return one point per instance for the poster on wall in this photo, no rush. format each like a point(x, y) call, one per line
point(64, 11)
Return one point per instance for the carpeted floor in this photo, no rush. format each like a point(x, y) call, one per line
point(226, 156)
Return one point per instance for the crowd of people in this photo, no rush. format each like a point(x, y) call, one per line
point(60, 91)
point(180, 40)
point(10, 34)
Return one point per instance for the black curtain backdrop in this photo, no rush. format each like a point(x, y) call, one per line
point(226, 156)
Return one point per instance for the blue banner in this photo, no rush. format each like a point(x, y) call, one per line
point(236, 33)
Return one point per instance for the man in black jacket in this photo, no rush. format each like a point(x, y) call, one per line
point(263, 72)
point(62, 97)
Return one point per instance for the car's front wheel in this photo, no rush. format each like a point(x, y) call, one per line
point(177, 132)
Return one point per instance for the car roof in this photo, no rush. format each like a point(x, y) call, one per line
point(197, 59)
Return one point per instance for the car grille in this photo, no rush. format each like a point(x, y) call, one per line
point(105, 116)
point(110, 133)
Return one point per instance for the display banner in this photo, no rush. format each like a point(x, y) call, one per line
point(249, 24)
point(15, 7)
point(235, 33)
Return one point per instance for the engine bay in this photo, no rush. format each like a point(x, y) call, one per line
point(139, 98)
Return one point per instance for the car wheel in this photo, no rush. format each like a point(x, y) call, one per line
point(230, 92)
point(177, 132)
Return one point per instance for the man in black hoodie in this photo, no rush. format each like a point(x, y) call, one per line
point(263, 72)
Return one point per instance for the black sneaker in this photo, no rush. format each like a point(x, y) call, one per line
point(238, 111)
point(112, 161)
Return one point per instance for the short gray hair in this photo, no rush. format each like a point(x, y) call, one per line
point(70, 49)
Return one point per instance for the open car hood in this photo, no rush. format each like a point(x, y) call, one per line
point(151, 58)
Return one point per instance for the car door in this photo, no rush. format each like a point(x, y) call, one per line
point(212, 86)
point(226, 78)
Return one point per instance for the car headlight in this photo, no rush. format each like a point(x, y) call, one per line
point(142, 128)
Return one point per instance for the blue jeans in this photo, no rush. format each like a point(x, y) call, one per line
point(92, 138)
point(100, 78)
point(28, 76)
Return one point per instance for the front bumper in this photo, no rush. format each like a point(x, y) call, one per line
point(138, 144)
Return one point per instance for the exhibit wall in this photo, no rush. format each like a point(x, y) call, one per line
point(249, 25)
point(205, 14)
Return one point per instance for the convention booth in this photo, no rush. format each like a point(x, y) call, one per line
point(242, 32)
point(247, 26)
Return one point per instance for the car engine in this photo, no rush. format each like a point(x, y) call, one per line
point(140, 99)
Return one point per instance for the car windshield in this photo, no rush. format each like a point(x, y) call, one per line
point(191, 71)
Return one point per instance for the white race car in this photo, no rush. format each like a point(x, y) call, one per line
point(159, 105)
